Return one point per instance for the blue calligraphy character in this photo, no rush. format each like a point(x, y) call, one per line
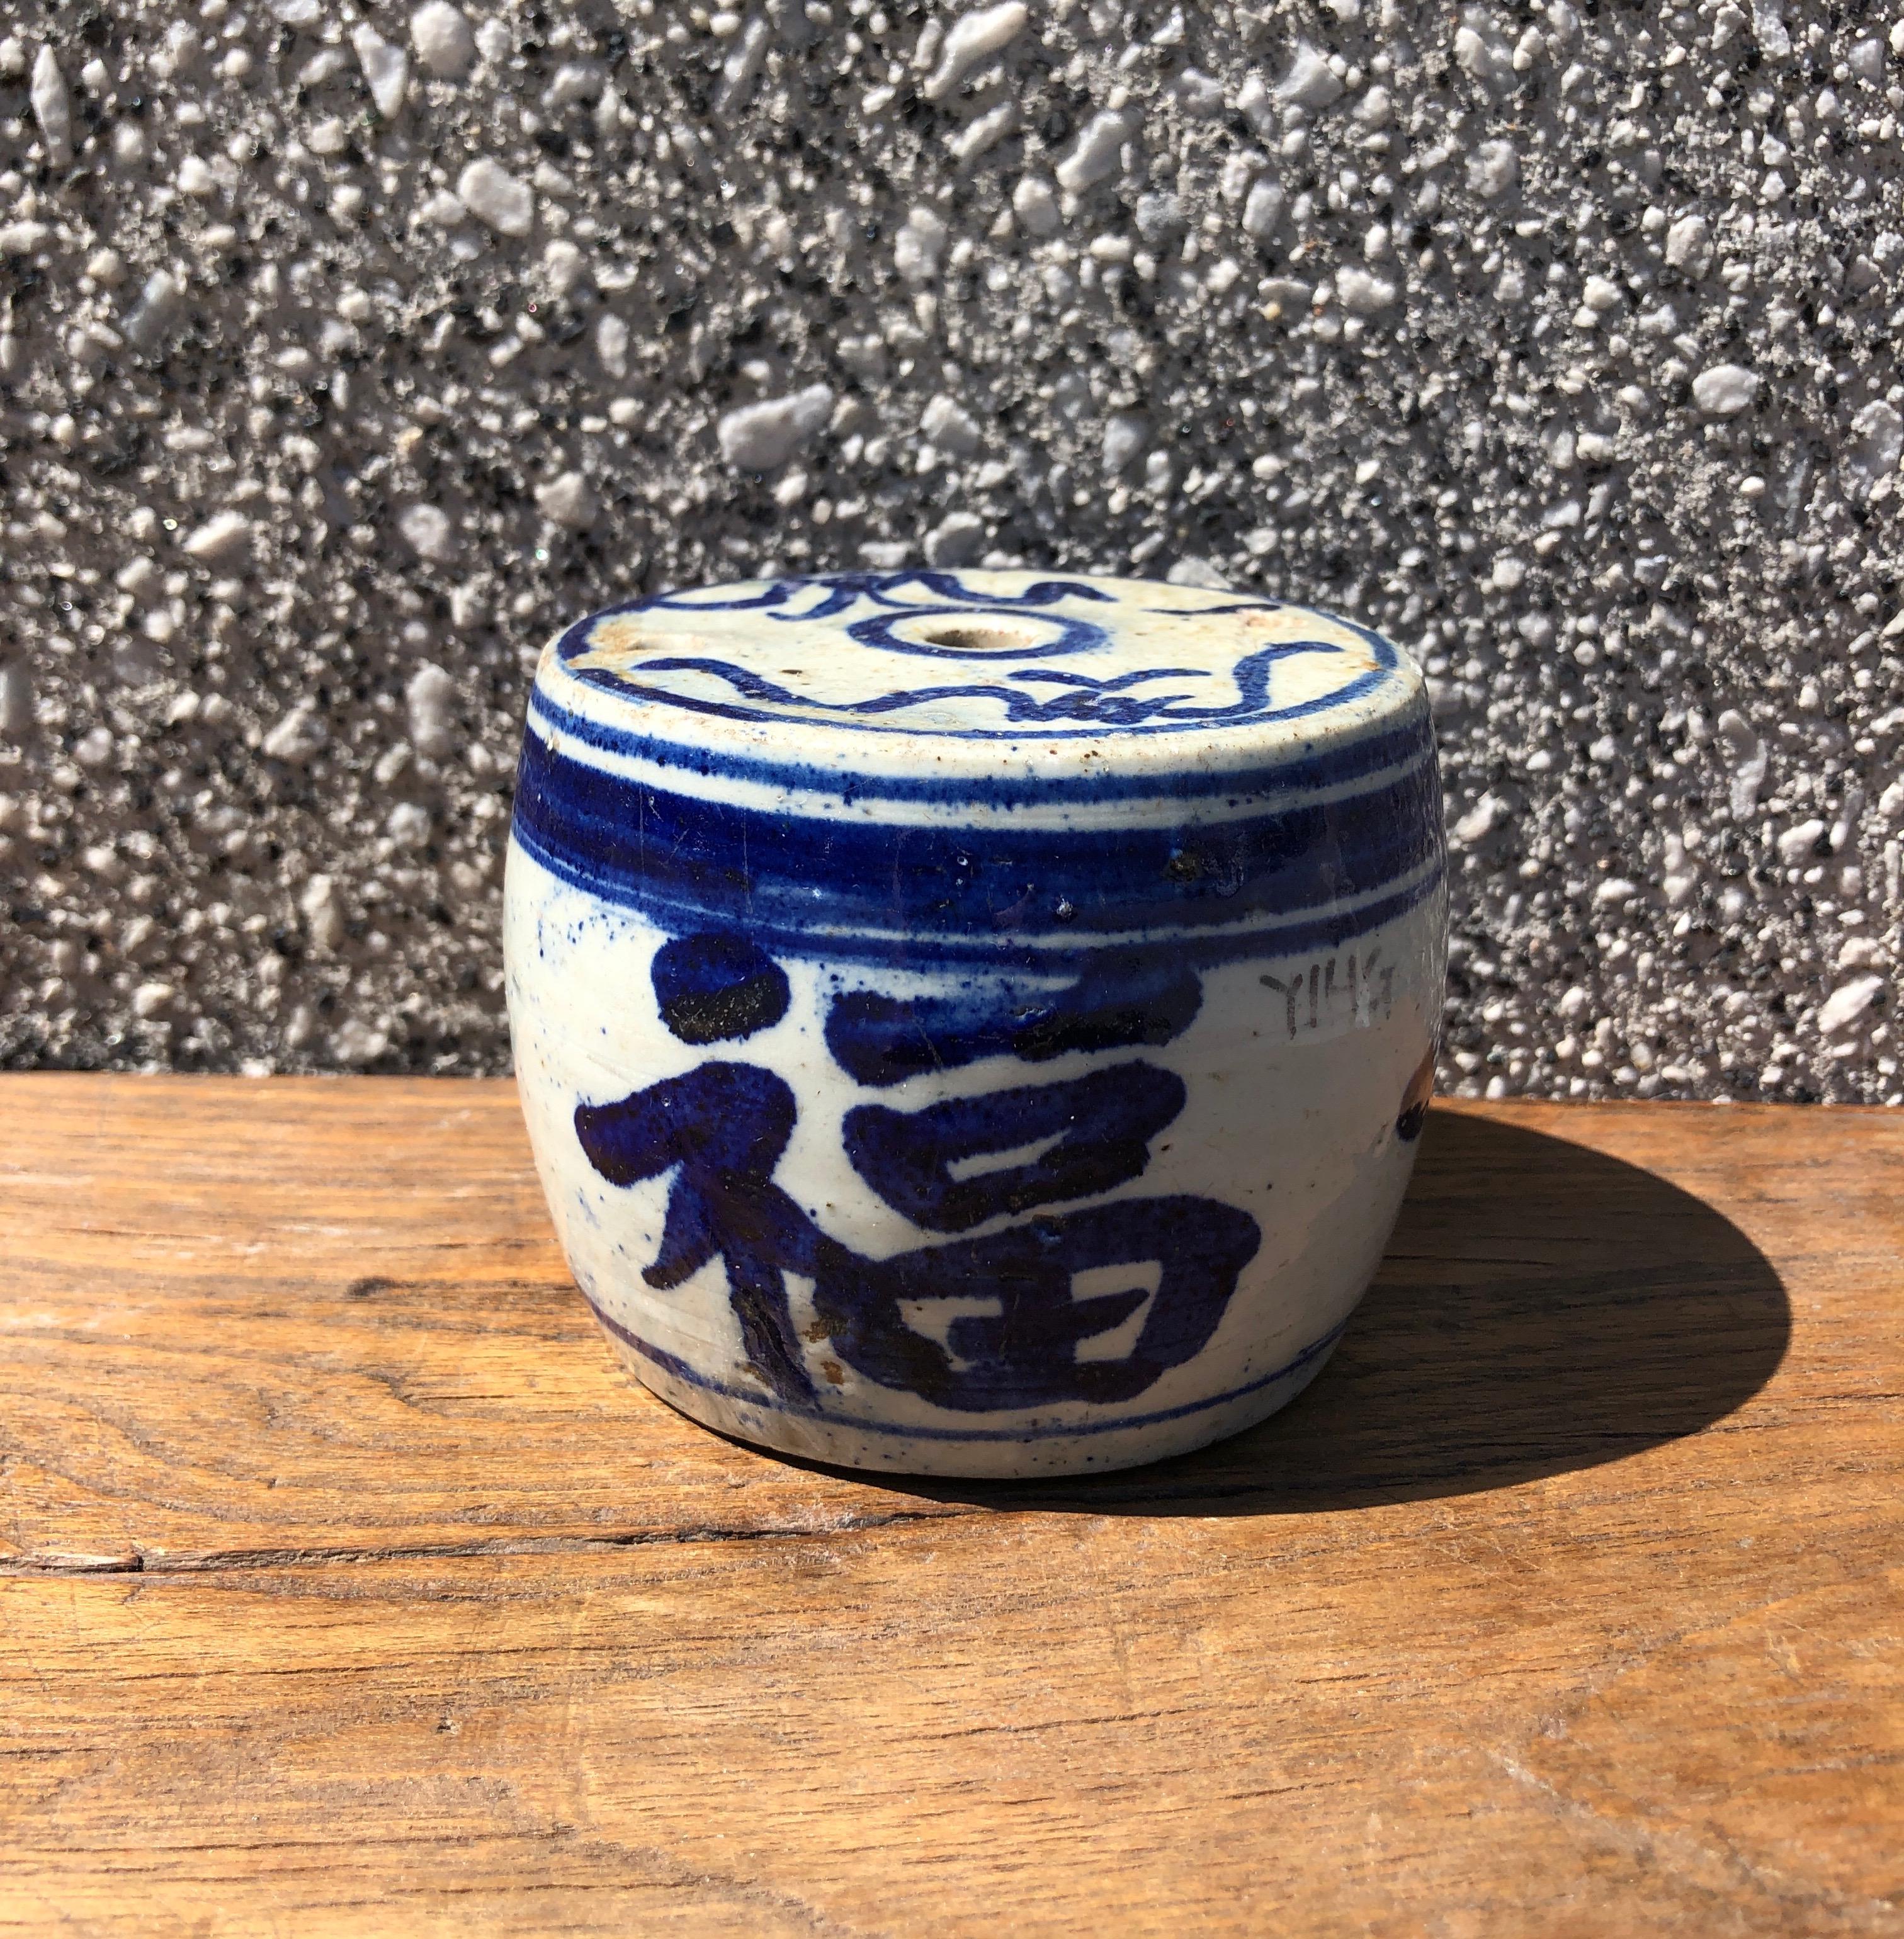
point(882, 1040)
point(1091, 1305)
point(721, 1128)
point(713, 987)
point(1028, 1343)
point(1036, 1313)
point(1076, 1139)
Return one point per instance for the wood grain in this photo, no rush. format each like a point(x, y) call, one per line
point(346, 1586)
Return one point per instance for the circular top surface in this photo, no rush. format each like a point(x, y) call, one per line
point(968, 672)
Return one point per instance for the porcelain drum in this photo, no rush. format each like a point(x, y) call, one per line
point(974, 1023)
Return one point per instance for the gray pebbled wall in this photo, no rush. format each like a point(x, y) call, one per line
point(346, 349)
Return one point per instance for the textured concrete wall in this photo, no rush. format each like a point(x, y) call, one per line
point(346, 349)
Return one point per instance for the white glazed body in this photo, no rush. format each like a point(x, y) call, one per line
point(1173, 1255)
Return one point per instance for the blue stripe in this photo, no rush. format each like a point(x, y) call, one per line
point(1411, 739)
point(983, 895)
point(1328, 930)
point(672, 1363)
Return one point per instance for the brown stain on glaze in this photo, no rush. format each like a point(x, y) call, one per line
point(1415, 1100)
point(615, 645)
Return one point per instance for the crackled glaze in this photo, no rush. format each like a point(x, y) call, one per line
point(974, 1023)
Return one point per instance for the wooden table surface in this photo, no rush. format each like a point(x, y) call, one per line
point(346, 1585)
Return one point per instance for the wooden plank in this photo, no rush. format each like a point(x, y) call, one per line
point(349, 1587)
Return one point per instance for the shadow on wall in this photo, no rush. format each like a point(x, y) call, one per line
point(1542, 1308)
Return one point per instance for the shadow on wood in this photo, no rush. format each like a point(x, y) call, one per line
point(1542, 1307)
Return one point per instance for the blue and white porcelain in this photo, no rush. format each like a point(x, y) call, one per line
point(974, 1023)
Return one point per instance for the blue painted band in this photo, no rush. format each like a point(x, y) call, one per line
point(803, 883)
point(672, 1363)
point(1325, 930)
point(1410, 739)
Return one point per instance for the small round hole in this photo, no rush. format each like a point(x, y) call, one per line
point(976, 636)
